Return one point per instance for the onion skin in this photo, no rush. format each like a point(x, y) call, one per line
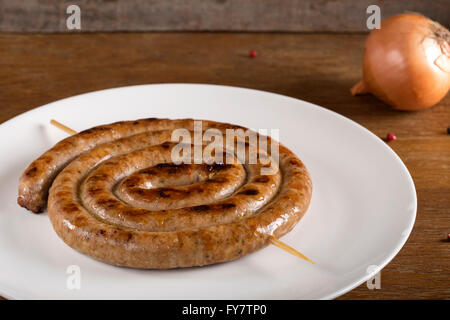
point(406, 62)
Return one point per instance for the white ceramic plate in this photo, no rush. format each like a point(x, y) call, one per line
point(362, 210)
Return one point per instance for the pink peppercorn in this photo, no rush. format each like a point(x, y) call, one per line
point(252, 53)
point(390, 137)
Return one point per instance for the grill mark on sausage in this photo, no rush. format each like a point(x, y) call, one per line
point(249, 192)
point(70, 207)
point(217, 180)
point(228, 205)
point(95, 191)
point(31, 172)
point(171, 168)
point(94, 130)
point(217, 167)
point(108, 203)
point(165, 145)
point(201, 208)
point(262, 179)
point(170, 192)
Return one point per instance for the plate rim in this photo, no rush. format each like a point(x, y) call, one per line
point(8, 293)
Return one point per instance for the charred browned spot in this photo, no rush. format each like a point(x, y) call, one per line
point(138, 191)
point(31, 172)
point(111, 205)
point(135, 123)
point(66, 180)
point(123, 236)
point(164, 193)
point(94, 191)
point(63, 194)
point(134, 180)
point(168, 192)
point(87, 131)
point(150, 119)
point(108, 203)
point(175, 170)
point(93, 179)
point(171, 168)
point(262, 179)
point(228, 205)
point(133, 212)
point(217, 180)
point(148, 171)
point(131, 182)
point(217, 167)
point(80, 221)
point(294, 162)
point(71, 207)
point(95, 129)
point(47, 159)
point(249, 192)
point(97, 177)
point(201, 208)
point(165, 145)
point(101, 232)
point(167, 165)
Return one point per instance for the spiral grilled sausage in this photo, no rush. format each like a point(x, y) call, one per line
point(115, 194)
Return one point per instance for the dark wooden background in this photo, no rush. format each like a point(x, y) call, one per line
point(36, 69)
point(209, 15)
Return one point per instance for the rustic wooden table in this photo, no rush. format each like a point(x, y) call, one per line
point(320, 68)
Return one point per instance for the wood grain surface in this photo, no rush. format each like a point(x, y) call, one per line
point(208, 15)
point(320, 68)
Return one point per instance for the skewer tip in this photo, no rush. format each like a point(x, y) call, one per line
point(62, 127)
point(280, 244)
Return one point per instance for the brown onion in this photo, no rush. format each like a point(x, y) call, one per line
point(407, 62)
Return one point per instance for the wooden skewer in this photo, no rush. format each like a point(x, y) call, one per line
point(278, 243)
point(62, 127)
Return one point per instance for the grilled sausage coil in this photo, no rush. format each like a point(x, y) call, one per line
point(115, 194)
